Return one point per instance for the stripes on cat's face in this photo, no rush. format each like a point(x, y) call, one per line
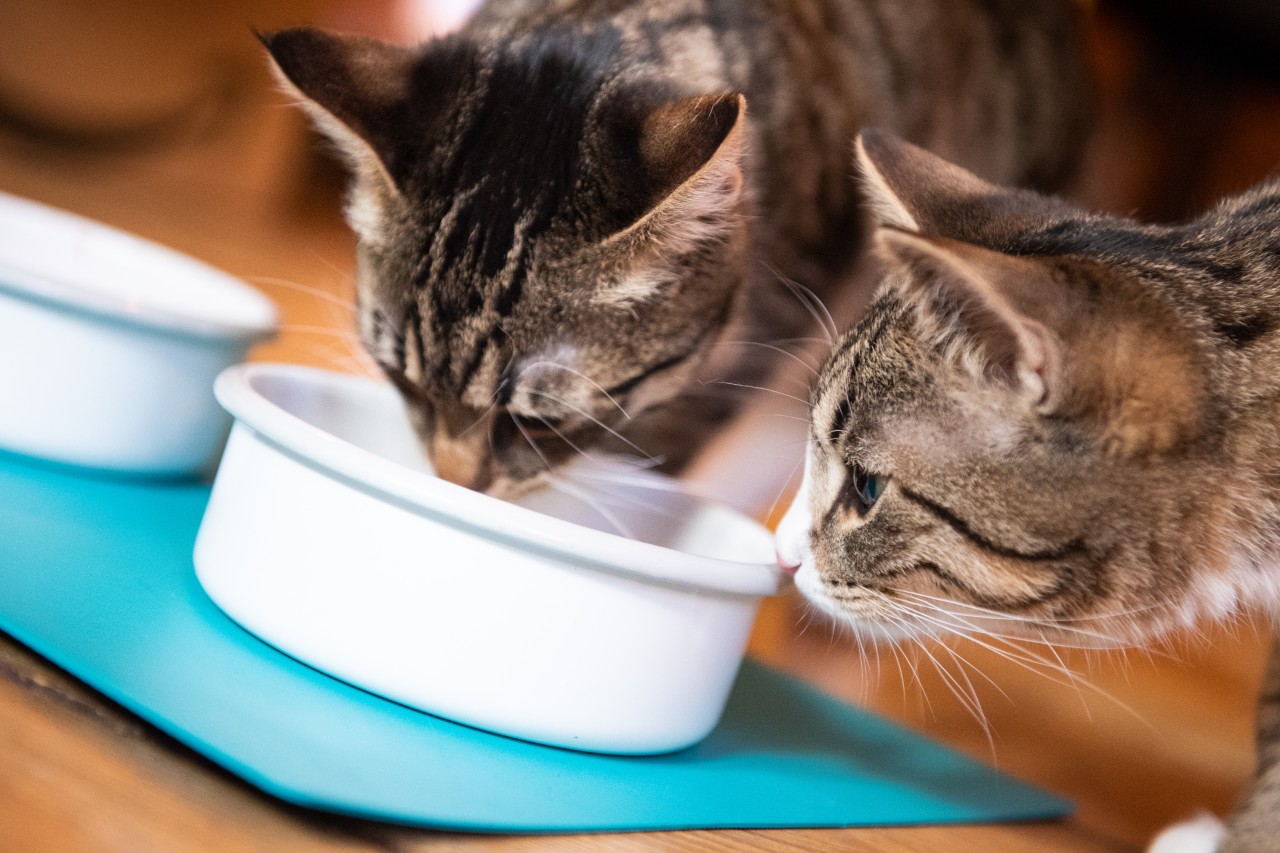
point(546, 251)
point(930, 500)
point(1026, 433)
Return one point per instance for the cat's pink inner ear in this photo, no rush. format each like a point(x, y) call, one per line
point(350, 85)
point(966, 317)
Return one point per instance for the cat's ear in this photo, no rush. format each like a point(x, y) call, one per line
point(686, 174)
point(963, 313)
point(908, 188)
point(354, 88)
point(690, 153)
point(684, 140)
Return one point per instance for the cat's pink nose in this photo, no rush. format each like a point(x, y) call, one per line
point(785, 564)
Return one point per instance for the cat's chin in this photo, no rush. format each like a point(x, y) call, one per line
point(864, 614)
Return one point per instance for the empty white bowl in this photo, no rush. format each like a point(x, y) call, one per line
point(328, 536)
point(110, 344)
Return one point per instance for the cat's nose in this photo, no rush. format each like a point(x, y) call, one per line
point(791, 543)
point(461, 464)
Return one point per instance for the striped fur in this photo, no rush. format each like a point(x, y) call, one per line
point(1077, 420)
point(580, 182)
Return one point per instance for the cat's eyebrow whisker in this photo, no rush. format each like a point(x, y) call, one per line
point(811, 303)
point(756, 388)
point(784, 341)
point(553, 398)
point(597, 385)
point(806, 365)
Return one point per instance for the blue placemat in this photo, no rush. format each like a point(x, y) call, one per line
point(96, 575)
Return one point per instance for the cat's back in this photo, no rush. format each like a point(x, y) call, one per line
point(995, 85)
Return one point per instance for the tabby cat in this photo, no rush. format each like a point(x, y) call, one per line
point(576, 217)
point(1053, 422)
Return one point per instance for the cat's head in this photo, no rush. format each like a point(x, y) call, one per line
point(1013, 438)
point(547, 244)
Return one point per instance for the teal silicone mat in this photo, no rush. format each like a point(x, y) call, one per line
point(96, 575)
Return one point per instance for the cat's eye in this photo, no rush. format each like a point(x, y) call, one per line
point(870, 486)
point(536, 427)
point(866, 487)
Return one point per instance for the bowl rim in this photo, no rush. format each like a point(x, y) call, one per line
point(463, 507)
point(257, 313)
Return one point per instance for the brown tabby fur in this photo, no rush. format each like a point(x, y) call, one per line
point(571, 220)
point(1075, 420)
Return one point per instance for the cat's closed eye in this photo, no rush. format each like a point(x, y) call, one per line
point(537, 426)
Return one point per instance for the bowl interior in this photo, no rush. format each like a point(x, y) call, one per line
point(87, 265)
point(607, 495)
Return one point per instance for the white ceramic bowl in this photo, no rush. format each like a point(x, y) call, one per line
point(110, 344)
point(328, 536)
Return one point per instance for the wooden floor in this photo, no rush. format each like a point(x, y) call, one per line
point(159, 118)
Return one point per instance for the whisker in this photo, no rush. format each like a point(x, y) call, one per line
point(333, 298)
point(811, 302)
point(806, 365)
point(646, 483)
point(579, 373)
point(970, 703)
point(565, 438)
point(773, 507)
point(591, 418)
point(968, 623)
point(757, 388)
point(944, 605)
point(624, 498)
point(584, 496)
point(1029, 661)
point(532, 444)
point(304, 329)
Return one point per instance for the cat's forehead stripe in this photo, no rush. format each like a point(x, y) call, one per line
point(858, 348)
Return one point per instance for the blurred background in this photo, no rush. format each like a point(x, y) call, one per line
point(161, 118)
